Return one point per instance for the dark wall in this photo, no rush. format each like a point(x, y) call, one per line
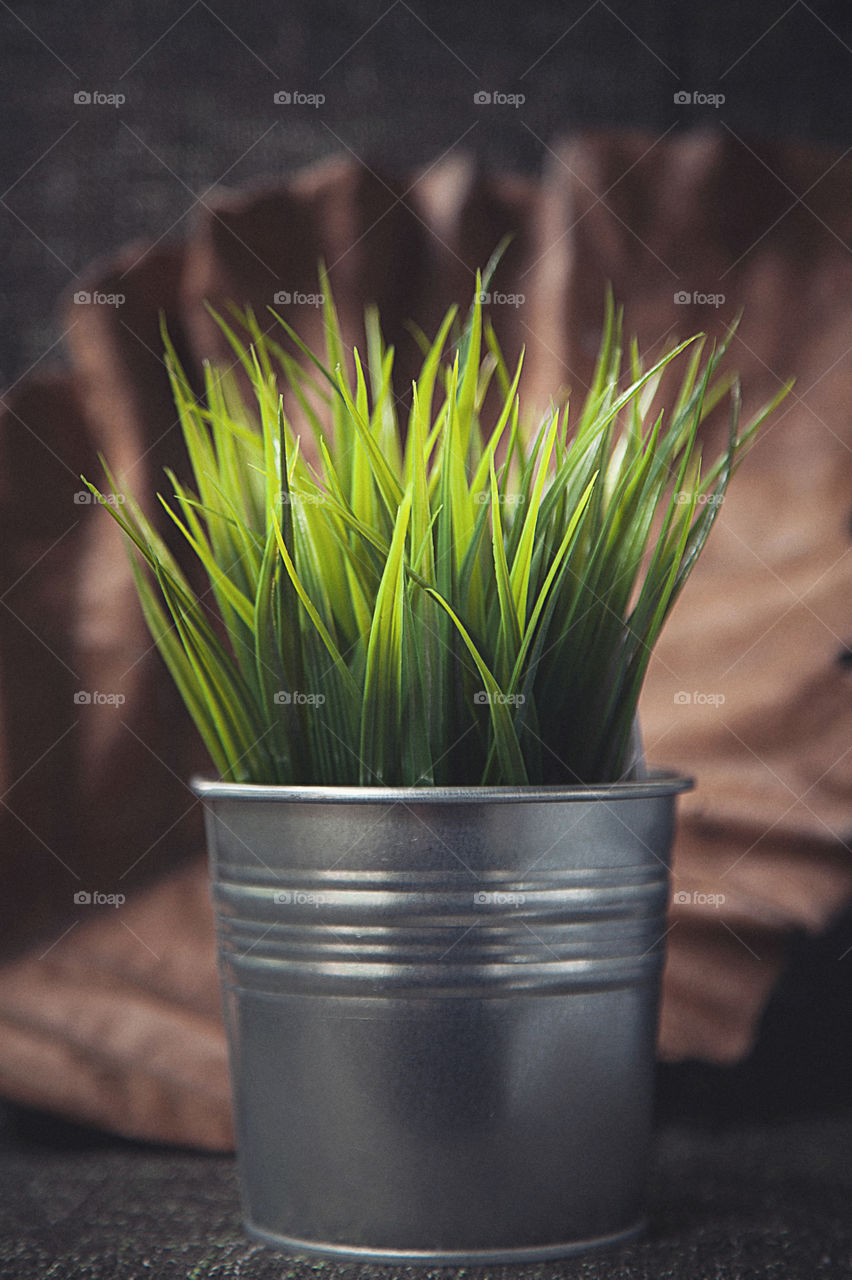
point(399, 80)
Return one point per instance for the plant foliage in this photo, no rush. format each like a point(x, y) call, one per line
point(426, 597)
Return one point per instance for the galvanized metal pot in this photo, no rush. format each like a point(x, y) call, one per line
point(441, 1007)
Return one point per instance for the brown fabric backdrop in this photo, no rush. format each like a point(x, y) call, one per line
point(111, 1014)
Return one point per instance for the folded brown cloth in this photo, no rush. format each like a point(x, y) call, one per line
point(110, 1012)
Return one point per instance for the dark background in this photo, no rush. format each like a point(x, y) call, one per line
point(399, 79)
point(78, 181)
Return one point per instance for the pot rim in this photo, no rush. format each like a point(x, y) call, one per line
point(659, 782)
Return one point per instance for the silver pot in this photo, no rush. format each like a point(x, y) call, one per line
point(441, 1007)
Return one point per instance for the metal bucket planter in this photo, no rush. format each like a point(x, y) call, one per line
point(441, 1007)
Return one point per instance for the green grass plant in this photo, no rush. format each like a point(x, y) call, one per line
point(426, 595)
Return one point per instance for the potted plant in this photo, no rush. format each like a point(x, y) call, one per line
point(439, 864)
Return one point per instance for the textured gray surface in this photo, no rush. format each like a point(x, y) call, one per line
point(399, 79)
point(744, 1202)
